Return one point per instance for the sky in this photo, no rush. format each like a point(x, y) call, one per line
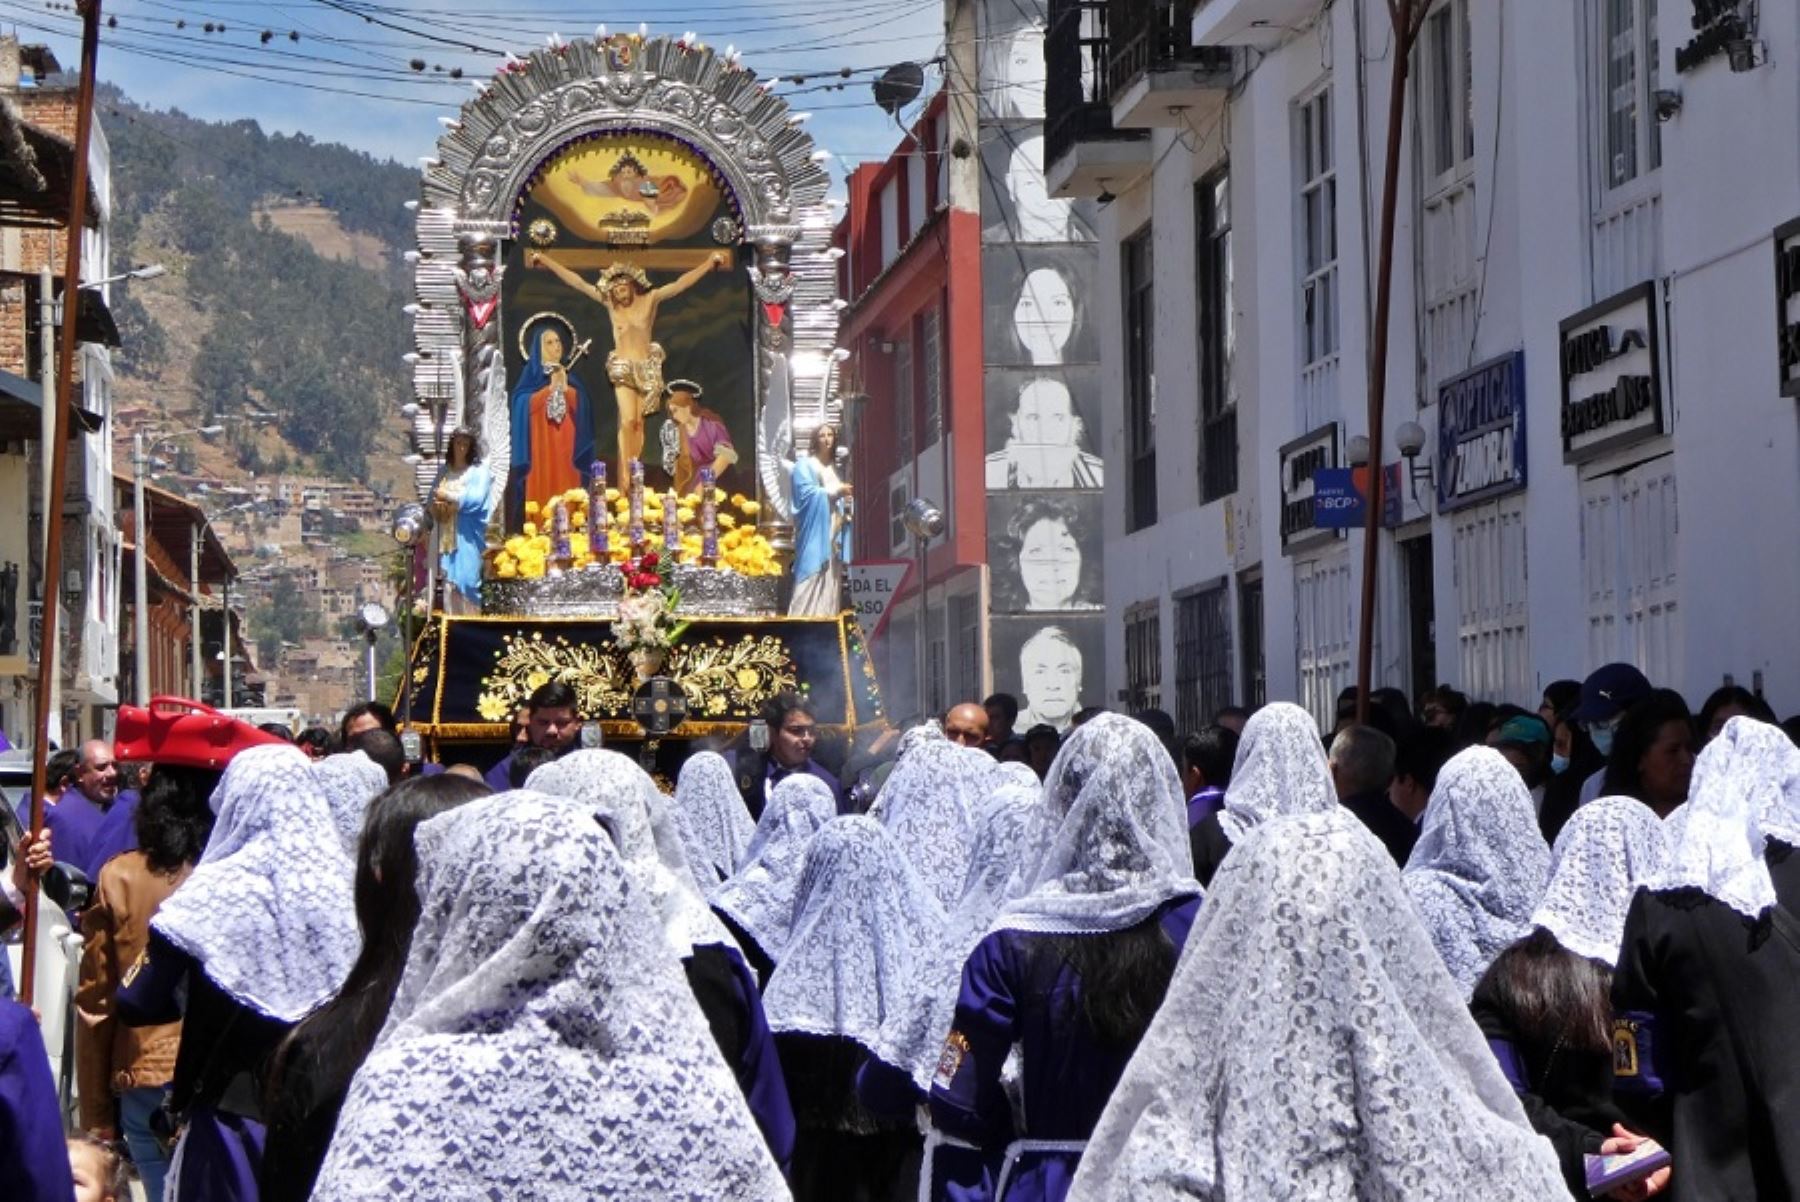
point(343, 70)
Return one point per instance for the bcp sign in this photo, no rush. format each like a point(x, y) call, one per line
point(874, 583)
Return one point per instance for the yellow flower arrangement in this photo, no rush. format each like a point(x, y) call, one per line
point(742, 548)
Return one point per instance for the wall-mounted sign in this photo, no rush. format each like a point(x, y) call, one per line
point(1717, 24)
point(1298, 462)
point(1787, 305)
point(1611, 375)
point(1337, 503)
point(874, 583)
point(1481, 433)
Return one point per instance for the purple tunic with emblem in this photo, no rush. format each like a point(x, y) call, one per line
point(1067, 1076)
point(34, 1162)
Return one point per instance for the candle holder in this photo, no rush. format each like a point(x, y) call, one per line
point(635, 528)
point(599, 517)
point(709, 521)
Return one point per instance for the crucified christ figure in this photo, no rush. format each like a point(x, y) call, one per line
point(635, 364)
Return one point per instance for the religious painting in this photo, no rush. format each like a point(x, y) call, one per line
point(1016, 205)
point(1053, 667)
point(1043, 428)
point(630, 324)
point(1044, 552)
point(1035, 308)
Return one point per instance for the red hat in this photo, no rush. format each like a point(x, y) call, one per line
point(177, 731)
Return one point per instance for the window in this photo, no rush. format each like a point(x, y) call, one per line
point(1217, 335)
point(931, 375)
point(898, 536)
point(904, 394)
point(1631, 141)
point(1137, 283)
point(1630, 562)
point(1250, 619)
point(1324, 627)
point(1143, 656)
point(965, 628)
point(1446, 70)
point(1202, 657)
point(1318, 230)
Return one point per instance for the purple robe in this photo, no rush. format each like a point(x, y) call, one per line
point(34, 1161)
point(1067, 1076)
point(1206, 801)
point(117, 834)
point(74, 824)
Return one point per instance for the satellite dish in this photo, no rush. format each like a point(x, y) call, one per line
point(899, 86)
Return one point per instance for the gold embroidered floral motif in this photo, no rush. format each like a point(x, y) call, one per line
point(717, 678)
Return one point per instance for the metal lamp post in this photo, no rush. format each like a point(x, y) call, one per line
point(412, 522)
point(924, 521)
point(372, 617)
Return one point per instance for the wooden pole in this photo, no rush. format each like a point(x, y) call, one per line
point(56, 456)
point(1407, 16)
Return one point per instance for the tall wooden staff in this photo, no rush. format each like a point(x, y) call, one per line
point(1408, 18)
point(56, 455)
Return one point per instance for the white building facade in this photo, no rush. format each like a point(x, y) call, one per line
point(1595, 324)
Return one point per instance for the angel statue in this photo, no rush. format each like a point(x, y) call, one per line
point(821, 529)
point(462, 500)
point(635, 364)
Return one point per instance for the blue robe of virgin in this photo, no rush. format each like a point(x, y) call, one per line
point(462, 567)
point(533, 377)
point(813, 510)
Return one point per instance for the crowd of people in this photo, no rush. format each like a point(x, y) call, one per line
point(1452, 950)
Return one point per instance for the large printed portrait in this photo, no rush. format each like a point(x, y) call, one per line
point(1016, 205)
point(629, 323)
point(1053, 667)
point(1035, 306)
point(1043, 428)
point(1012, 60)
point(1044, 551)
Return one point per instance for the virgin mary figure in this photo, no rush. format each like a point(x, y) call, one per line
point(552, 425)
point(821, 530)
point(460, 504)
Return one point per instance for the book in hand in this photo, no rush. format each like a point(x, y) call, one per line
point(1606, 1173)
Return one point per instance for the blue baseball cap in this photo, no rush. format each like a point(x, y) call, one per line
point(1609, 691)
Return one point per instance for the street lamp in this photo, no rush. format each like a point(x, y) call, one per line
point(140, 452)
point(149, 271)
point(924, 521)
point(372, 617)
point(196, 538)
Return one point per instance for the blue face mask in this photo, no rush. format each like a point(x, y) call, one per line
point(1603, 738)
point(1559, 764)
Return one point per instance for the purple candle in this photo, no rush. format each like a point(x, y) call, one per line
point(598, 518)
point(636, 527)
point(709, 521)
point(559, 533)
point(671, 527)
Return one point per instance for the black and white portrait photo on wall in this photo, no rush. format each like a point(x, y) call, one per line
point(1035, 314)
point(1042, 428)
point(1044, 551)
point(1012, 63)
point(1053, 668)
point(1016, 205)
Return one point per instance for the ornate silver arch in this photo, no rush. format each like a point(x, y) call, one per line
point(536, 107)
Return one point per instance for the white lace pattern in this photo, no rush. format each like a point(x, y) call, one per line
point(268, 911)
point(1312, 1048)
point(1739, 796)
point(715, 824)
point(1280, 769)
point(863, 926)
point(1120, 844)
point(1480, 865)
point(929, 806)
point(543, 1042)
point(759, 896)
point(1606, 850)
point(350, 781)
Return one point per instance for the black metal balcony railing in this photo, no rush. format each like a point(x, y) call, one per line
point(1077, 96)
point(1149, 35)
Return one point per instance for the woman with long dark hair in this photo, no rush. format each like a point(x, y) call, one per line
point(125, 1071)
point(1652, 756)
point(1073, 971)
point(311, 1070)
point(1545, 1003)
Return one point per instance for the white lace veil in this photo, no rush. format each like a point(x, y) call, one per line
point(268, 912)
point(543, 1042)
point(929, 806)
point(1606, 850)
point(1312, 1046)
point(1280, 769)
point(1119, 847)
point(715, 824)
point(759, 896)
point(1739, 796)
point(350, 781)
point(1480, 865)
point(1009, 841)
point(627, 802)
point(863, 926)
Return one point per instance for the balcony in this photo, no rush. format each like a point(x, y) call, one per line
point(1085, 156)
point(1157, 77)
point(1259, 23)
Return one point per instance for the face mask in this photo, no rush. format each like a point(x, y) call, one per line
point(1603, 739)
point(1559, 764)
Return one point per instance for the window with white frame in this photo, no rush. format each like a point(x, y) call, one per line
point(1492, 634)
point(1445, 237)
point(1446, 71)
point(1317, 174)
point(931, 375)
point(1631, 141)
point(1202, 656)
point(904, 394)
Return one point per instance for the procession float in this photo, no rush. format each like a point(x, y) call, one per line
point(625, 409)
